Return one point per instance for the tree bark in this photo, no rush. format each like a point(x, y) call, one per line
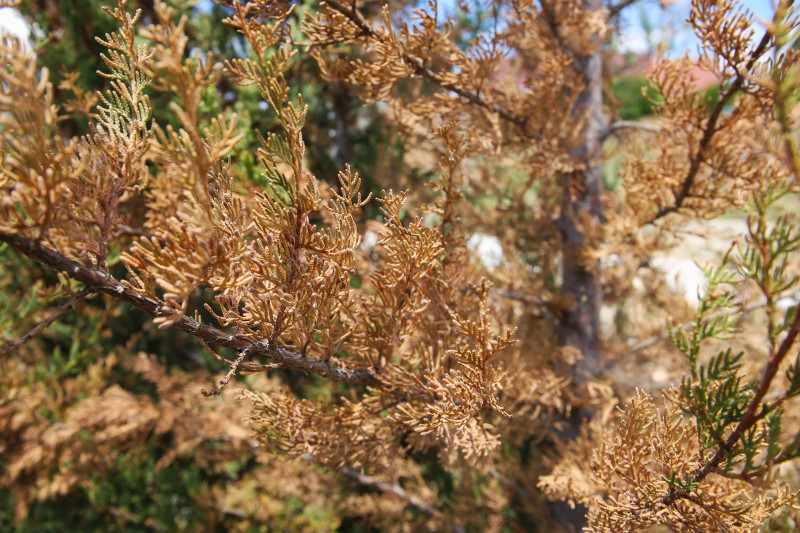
point(582, 192)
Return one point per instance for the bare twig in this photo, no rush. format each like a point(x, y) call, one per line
point(619, 125)
point(646, 343)
point(245, 367)
point(616, 9)
point(399, 491)
point(519, 491)
point(101, 282)
point(234, 366)
point(41, 326)
point(541, 304)
point(514, 295)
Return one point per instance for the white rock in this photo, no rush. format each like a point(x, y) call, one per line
point(683, 276)
point(488, 249)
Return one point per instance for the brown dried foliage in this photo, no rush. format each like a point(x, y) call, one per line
point(281, 282)
point(47, 460)
point(418, 340)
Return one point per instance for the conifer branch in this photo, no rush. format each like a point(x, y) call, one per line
point(751, 415)
point(521, 107)
point(686, 326)
point(518, 490)
point(100, 282)
point(709, 131)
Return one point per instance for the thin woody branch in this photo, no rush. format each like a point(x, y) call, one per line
point(621, 125)
point(44, 324)
point(399, 491)
point(517, 489)
point(616, 9)
point(542, 306)
point(224, 381)
point(646, 343)
point(100, 282)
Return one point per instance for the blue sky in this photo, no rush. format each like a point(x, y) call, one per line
point(673, 26)
point(671, 23)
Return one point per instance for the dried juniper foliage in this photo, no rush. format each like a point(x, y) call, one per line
point(419, 350)
point(281, 282)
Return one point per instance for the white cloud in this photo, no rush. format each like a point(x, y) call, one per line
point(633, 39)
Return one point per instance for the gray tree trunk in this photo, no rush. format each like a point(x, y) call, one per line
point(579, 326)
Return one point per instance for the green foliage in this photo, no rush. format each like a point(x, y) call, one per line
point(716, 393)
point(686, 484)
point(716, 326)
point(718, 399)
point(634, 96)
point(134, 496)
